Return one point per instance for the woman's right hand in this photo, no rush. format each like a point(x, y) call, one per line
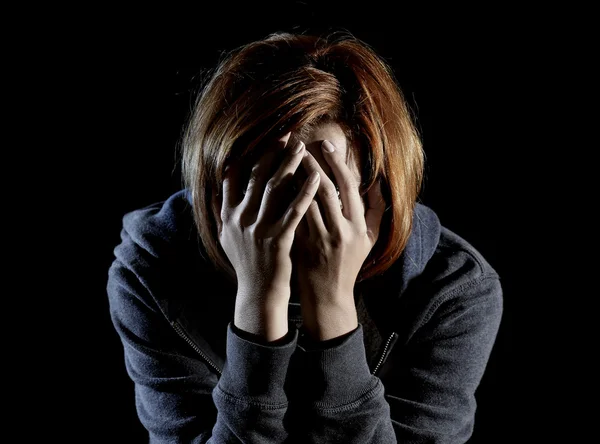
point(258, 239)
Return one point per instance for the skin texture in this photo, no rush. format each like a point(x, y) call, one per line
point(268, 227)
point(257, 239)
point(334, 134)
point(332, 244)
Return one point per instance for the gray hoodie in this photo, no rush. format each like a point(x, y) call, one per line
point(407, 374)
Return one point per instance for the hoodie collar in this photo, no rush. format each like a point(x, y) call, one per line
point(421, 244)
point(380, 312)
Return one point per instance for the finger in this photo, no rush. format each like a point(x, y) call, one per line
point(314, 220)
point(231, 188)
point(298, 207)
point(280, 179)
point(327, 191)
point(352, 203)
point(375, 211)
point(301, 234)
point(260, 174)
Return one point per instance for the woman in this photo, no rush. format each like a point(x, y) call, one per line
point(294, 290)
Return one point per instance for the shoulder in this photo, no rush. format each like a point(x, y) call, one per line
point(457, 257)
point(435, 253)
point(453, 274)
point(157, 241)
point(461, 278)
point(160, 226)
point(159, 257)
point(163, 232)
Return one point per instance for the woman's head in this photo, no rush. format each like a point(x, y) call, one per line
point(333, 86)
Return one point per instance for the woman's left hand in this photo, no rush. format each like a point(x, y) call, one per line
point(331, 246)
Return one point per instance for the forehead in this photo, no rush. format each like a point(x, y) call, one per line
point(335, 134)
point(329, 131)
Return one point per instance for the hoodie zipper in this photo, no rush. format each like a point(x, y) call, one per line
point(181, 333)
point(388, 345)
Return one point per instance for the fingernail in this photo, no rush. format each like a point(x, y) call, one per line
point(314, 177)
point(285, 137)
point(298, 147)
point(327, 146)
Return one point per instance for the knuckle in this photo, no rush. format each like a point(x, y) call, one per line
point(336, 242)
point(329, 191)
point(362, 233)
point(250, 186)
point(294, 212)
point(336, 238)
point(271, 186)
point(225, 217)
point(277, 244)
point(253, 177)
point(306, 194)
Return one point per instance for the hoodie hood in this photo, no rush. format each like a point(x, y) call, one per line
point(385, 314)
point(421, 244)
point(167, 230)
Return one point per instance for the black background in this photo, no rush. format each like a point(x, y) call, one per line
point(128, 79)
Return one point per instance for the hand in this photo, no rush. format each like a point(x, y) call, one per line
point(331, 247)
point(258, 240)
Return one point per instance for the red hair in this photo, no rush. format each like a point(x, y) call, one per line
point(289, 82)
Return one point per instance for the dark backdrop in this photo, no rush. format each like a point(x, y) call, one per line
point(133, 76)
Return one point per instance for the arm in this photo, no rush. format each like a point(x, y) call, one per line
point(429, 390)
point(178, 397)
point(340, 399)
point(334, 397)
point(431, 382)
point(425, 392)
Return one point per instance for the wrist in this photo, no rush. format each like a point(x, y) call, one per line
point(260, 339)
point(267, 322)
point(323, 322)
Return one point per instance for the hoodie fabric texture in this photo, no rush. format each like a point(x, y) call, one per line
point(407, 374)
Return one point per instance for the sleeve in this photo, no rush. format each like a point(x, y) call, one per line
point(335, 397)
point(179, 399)
point(424, 393)
point(431, 381)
